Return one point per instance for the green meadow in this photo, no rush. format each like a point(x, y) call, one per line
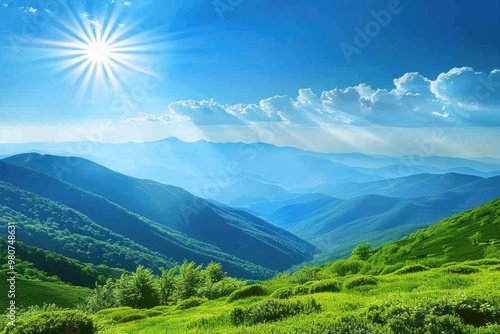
point(443, 279)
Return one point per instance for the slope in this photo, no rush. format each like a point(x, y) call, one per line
point(470, 235)
point(336, 226)
point(64, 220)
point(175, 208)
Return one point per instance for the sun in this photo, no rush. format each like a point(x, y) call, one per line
point(102, 54)
point(99, 53)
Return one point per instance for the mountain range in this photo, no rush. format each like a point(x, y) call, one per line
point(255, 208)
point(162, 219)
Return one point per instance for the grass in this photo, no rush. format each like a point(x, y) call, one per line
point(30, 292)
point(436, 280)
point(412, 290)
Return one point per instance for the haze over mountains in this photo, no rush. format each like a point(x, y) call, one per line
point(208, 233)
point(256, 208)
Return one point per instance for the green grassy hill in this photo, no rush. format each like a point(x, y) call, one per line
point(442, 279)
point(470, 235)
point(33, 292)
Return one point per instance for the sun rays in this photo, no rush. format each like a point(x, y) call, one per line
point(101, 53)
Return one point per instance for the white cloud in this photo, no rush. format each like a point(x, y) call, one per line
point(32, 10)
point(93, 22)
point(461, 96)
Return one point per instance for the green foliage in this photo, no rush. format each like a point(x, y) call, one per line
point(189, 280)
point(189, 303)
point(214, 272)
point(443, 316)
point(447, 241)
point(362, 251)
point(247, 291)
point(305, 274)
point(103, 296)
point(66, 233)
point(301, 290)
point(33, 292)
point(139, 290)
point(475, 238)
point(325, 286)
point(347, 267)
point(413, 268)
point(426, 299)
point(40, 264)
point(222, 288)
point(445, 324)
point(483, 262)
point(360, 281)
point(167, 285)
point(461, 269)
point(52, 322)
point(283, 293)
point(272, 310)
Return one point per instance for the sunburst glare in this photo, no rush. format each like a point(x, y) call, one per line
point(102, 53)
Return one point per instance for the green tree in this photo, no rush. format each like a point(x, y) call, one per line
point(189, 280)
point(167, 284)
point(362, 251)
point(139, 290)
point(475, 238)
point(103, 296)
point(214, 273)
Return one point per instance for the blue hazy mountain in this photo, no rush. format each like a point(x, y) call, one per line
point(198, 166)
point(336, 225)
point(409, 186)
point(156, 212)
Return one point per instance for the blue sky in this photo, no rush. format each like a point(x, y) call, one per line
point(201, 64)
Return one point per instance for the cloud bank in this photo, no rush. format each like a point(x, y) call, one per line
point(460, 97)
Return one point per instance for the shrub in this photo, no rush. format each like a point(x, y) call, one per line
point(413, 268)
point(306, 274)
point(346, 267)
point(223, 288)
point(445, 324)
point(325, 286)
point(484, 262)
point(442, 316)
point(52, 322)
point(247, 291)
point(461, 269)
point(189, 303)
point(108, 311)
point(349, 324)
point(300, 290)
point(283, 293)
point(132, 317)
point(118, 314)
point(362, 251)
point(272, 310)
point(360, 281)
point(391, 268)
point(152, 313)
point(139, 290)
